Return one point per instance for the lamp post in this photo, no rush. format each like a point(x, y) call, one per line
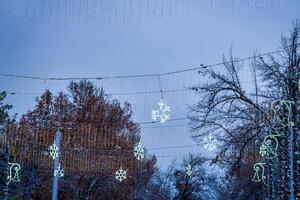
point(56, 165)
point(57, 158)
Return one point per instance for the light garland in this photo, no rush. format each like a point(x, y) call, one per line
point(280, 119)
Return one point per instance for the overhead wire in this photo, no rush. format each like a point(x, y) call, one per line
point(201, 66)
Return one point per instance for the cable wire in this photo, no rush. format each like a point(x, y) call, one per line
point(201, 66)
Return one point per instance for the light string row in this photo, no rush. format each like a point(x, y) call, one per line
point(56, 13)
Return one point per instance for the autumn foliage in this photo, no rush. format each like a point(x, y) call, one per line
point(98, 136)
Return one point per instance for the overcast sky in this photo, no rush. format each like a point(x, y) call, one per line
point(109, 39)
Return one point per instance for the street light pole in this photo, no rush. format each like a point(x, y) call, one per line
point(56, 164)
point(291, 147)
point(57, 158)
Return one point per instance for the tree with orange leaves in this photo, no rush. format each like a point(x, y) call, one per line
point(98, 138)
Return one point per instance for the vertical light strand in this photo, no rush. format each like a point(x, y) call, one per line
point(175, 7)
point(50, 12)
point(43, 12)
point(154, 9)
point(66, 14)
point(102, 10)
point(57, 13)
point(3, 14)
point(131, 10)
point(95, 11)
point(170, 8)
point(73, 11)
point(109, 12)
point(147, 9)
point(161, 9)
point(140, 9)
point(115, 11)
point(124, 11)
point(34, 11)
point(87, 12)
point(79, 12)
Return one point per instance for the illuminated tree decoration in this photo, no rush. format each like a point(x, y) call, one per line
point(162, 113)
point(210, 142)
point(13, 174)
point(139, 151)
point(281, 112)
point(189, 171)
point(54, 151)
point(59, 172)
point(121, 175)
point(259, 173)
point(269, 147)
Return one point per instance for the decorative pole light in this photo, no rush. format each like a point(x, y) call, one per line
point(121, 175)
point(269, 147)
point(13, 173)
point(138, 151)
point(54, 151)
point(163, 113)
point(58, 172)
point(259, 173)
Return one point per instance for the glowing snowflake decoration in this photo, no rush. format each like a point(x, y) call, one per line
point(13, 174)
point(263, 150)
point(59, 172)
point(189, 171)
point(53, 151)
point(162, 113)
point(139, 151)
point(121, 175)
point(210, 142)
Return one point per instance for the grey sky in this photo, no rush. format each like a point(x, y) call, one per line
point(139, 46)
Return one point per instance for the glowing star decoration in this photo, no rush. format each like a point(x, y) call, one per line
point(269, 147)
point(259, 173)
point(59, 172)
point(121, 175)
point(139, 151)
point(162, 113)
point(189, 171)
point(13, 174)
point(53, 151)
point(210, 142)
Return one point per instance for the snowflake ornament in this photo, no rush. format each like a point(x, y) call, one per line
point(189, 171)
point(121, 175)
point(53, 151)
point(210, 142)
point(59, 172)
point(139, 151)
point(263, 150)
point(162, 113)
